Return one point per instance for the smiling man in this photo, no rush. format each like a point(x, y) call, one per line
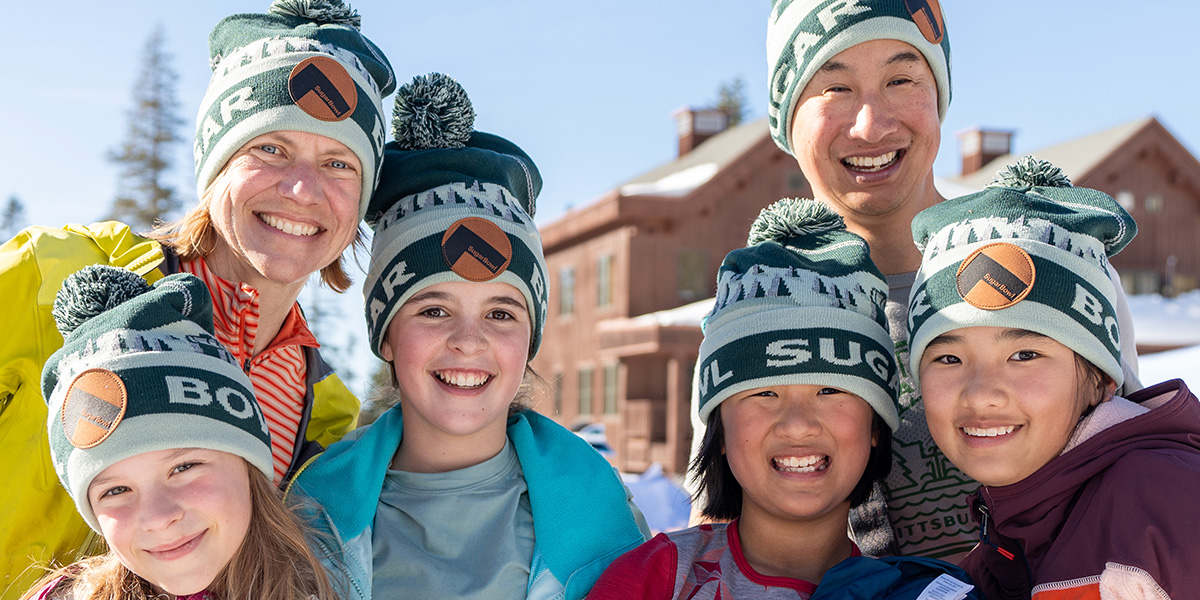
point(857, 93)
point(858, 89)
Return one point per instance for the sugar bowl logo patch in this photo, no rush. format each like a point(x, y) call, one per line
point(927, 14)
point(94, 406)
point(995, 276)
point(322, 88)
point(476, 249)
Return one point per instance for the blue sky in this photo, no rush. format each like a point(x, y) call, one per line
point(586, 88)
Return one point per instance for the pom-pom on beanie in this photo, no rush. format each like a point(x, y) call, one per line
point(454, 204)
point(802, 304)
point(1028, 252)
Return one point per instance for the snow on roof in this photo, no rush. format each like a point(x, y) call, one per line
point(679, 183)
point(688, 314)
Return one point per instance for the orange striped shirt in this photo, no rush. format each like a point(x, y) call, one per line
point(278, 372)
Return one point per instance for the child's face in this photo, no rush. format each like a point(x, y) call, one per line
point(1000, 402)
point(175, 517)
point(798, 451)
point(459, 351)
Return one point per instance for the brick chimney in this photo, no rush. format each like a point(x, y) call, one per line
point(696, 125)
point(979, 146)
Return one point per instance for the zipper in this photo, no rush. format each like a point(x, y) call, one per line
point(288, 488)
point(985, 533)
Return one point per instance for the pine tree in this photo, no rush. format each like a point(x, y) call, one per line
point(12, 219)
point(731, 98)
point(145, 156)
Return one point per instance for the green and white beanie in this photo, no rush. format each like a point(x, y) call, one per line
point(302, 66)
point(454, 204)
point(802, 304)
point(802, 35)
point(1028, 252)
point(140, 370)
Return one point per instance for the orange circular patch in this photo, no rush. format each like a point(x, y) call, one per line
point(476, 249)
point(95, 404)
point(996, 276)
point(927, 14)
point(322, 88)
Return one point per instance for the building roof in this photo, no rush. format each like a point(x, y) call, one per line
point(687, 172)
point(1075, 157)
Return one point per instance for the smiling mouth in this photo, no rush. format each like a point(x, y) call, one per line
point(801, 464)
point(177, 550)
point(288, 227)
point(988, 431)
point(465, 381)
point(872, 164)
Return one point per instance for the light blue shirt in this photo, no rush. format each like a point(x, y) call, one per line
point(461, 534)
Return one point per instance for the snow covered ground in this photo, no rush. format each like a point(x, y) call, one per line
point(1159, 321)
point(1162, 321)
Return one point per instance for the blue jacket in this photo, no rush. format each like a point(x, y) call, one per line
point(583, 516)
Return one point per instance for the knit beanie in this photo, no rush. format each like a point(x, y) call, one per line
point(140, 370)
point(1028, 252)
point(802, 304)
point(454, 204)
point(802, 35)
point(302, 66)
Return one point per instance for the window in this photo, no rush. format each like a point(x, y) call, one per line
point(604, 280)
point(1126, 199)
point(585, 392)
point(566, 291)
point(691, 275)
point(610, 388)
point(1154, 203)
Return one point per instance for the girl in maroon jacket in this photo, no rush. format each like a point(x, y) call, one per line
point(1016, 350)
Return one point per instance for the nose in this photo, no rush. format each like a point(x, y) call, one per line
point(797, 420)
point(468, 337)
point(873, 121)
point(985, 388)
point(301, 183)
point(159, 509)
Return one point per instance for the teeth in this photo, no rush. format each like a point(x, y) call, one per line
point(871, 163)
point(288, 226)
point(989, 431)
point(463, 380)
point(802, 464)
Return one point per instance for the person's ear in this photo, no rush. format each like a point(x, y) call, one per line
point(385, 350)
point(1108, 389)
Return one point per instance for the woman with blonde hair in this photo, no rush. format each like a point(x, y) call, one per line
point(287, 155)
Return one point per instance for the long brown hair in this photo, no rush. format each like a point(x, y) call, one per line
point(193, 236)
point(274, 562)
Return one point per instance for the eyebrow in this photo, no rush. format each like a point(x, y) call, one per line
point(834, 66)
point(436, 296)
point(285, 137)
point(1019, 334)
point(944, 339)
point(1009, 334)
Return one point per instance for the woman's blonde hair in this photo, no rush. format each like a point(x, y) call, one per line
point(274, 562)
point(194, 236)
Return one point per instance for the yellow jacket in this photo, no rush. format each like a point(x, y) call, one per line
point(38, 521)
